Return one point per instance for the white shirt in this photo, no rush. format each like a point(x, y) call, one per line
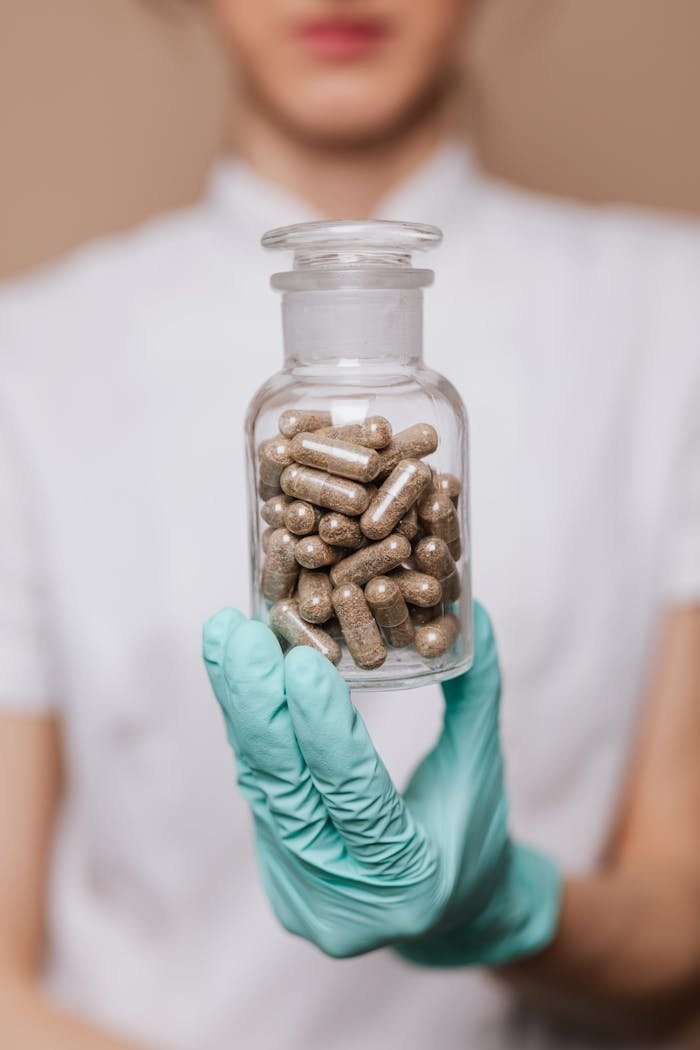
point(125, 372)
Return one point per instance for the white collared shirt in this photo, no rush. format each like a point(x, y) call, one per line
point(573, 335)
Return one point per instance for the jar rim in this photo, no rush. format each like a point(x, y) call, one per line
point(309, 239)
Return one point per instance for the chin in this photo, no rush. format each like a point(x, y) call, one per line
point(340, 122)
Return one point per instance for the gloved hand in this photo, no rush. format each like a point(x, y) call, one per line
point(347, 862)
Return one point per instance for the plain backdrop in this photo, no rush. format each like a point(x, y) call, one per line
point(111, 110)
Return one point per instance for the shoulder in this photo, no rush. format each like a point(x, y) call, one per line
point(70, 309)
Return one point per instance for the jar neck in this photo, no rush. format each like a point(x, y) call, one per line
point(352, 326)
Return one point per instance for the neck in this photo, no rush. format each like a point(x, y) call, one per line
point(340, 182)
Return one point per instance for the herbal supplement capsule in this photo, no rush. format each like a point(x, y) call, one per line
point(438, 636)
point(359, 627)
point(287, 622)
point(273, 457)
point(386, 602)
point(439, 517)
point(408, 525)
point(333, 628)
point(373, 432)
point(302, 518)
point(448, 484)
point(281, 569)
point(341, 531)
point(337, 457)
point(414, 442)
point(374, 560)
point(265, 538)
point(272, 510)
point(294, 420)
point(407, 481)
point(418, 588)
point(433, 557)
point(314, 596)
point(313, 553)
point(316, 486)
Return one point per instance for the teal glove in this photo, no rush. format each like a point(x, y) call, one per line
point(347, 862)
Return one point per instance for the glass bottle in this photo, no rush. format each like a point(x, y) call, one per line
point(358, 464)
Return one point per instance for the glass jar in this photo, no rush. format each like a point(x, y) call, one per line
point(358, 465)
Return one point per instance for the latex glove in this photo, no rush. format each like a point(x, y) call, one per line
point(347, 862)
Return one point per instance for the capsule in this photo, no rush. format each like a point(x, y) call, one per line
point(313, 553)
point(295, 420)
point(418, 588)
point(420, 617)
point(414, 442)
point(301, 518)
point(287, 622)
point(374, 560)
point(408, 525)
point(448, 484)
point(433, 557)
point(281, 569)
point(438, 636)
point(342, 458)
point(314, 596)
point(390, 611)
point(360, 630)
point(273, 457)
point(373, 432)
point(272, 511)
point(266, 537)
point(439, 518)
point(321, 488)
point(341, 531)
point(407, 481)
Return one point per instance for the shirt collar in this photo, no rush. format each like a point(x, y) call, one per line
point(431, 194)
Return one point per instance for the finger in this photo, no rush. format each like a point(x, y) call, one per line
point(356, 788)
point(254, 670)
point(217, 631)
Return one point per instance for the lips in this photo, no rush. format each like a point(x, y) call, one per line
point(342, 38)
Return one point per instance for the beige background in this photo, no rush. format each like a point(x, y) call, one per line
point(112, 109)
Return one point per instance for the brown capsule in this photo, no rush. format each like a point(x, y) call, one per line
point(314, 596)
point(386, 602)
point(272, 510)
point(408, 525)
point(295, 420)
point(281, 569)
point(333, 628)
point(439, 518)
point(266, 537)
point(287, 622)
point(414, 442)
point(433, 557)
point(302, 518)
point(360, 630)
point(341, 458)
point(341, 531)
point(373, 432)
point(374, 560)
point(273, 457)
point(323, 489)
point(448, 484)
point(313, 553)
point(407, 481)
point(418, 588)
point(438, 636)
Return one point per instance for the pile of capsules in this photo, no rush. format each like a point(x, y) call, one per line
point(362, 538)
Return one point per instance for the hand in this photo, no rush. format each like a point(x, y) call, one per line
point(347, 862)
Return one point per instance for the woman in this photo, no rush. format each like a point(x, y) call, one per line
point(130, 903)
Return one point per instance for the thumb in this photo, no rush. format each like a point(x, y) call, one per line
point(475, 696)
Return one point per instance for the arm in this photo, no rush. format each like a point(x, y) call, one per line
point(627, 950)
point(29, 786)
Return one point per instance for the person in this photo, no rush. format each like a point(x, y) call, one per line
point(132, 913)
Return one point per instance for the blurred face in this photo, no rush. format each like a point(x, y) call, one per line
point(343, 71)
